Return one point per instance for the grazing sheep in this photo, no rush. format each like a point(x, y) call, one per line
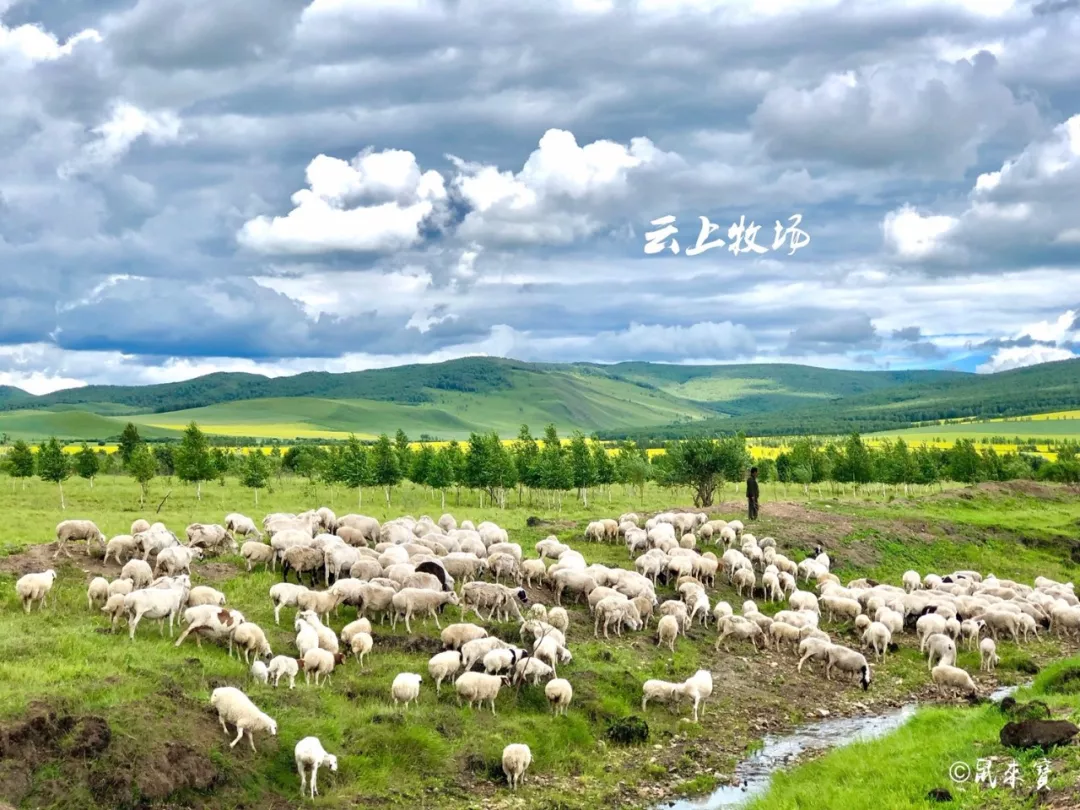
point(877, 637)
point(456, 635)
point(251, 640)
point(782, 631)
point(667, 630)
point(302, 560)
point(744, 582)
point(558, 618)
point(929, 625)
point(155, 603)
point(211, 538)
point(533, 571)
point(538, 610)
point(76, 530)
point(552, 651)
point(260, 672)
point(849, 662)
point(663, 691)
point(410, 601)
point(210, 621)
point(741, 628)
point(35, 588)
point(988, 657)
point(559, 693)
point(123, 545)
point(234, 707)
point(516, 759)
point(114, 609)
point(239, 525)
point(97, 592)
point(443, 666)
point(176, 559)
point(309, 753)
point(255, 552)
point(318, 602)
point(140, 525)
point(813, 649)
point(284, 594)
point(139, 572)
point(205, 595)
point(531, 670)
point(406, 688)
point(473, 652)
point(950, 677)
point(320, 662)
point(282, 666)
point(352, 628)
point(478, 687)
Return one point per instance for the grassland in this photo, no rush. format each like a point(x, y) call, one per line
point(166, 747)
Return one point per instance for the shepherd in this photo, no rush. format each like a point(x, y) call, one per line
point(752, 494)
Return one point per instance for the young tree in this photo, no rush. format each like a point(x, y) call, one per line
point(604, 466)
point(526, 455)
point(555, 472)
point(52, 465)
point(166, 459)
point(457, 464)
point(421, 465)
point(582, 468)
point(441, 473)
point(385, 466)
point(129, 440)
point(87, 463)
point(857, 465)
point(194, 463)
point(403, 451)
point(20, 461)
point(354, 468)
point(632, 467)
point(143, 467)
point(704, 464)
point(255, 472)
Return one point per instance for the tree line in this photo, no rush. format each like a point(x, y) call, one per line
point(536, 470)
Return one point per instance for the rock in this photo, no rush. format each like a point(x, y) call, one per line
point(823, 712)
point(1037, 733)
point(939, 795)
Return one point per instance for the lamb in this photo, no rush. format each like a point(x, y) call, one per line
point(255, 552)
point(352, 628)
point(123, 545)
point(533, 571)
point(663, 691)
point(454, 636)
point(205, 595)
point(211, 621)
point(361, 644)
point(478, 687)
point(878, 637)
point(667, 630)
point(552, 651)
point(840, 606)
point(782, 631)
point(741, 628)
point(319, 661)
point(176, 559)
point(502, 659)
point(559, 693)
point(969, 630)
point(477, 649)
point(744, 581)
point(406, 688)
point(327, 639)
point(233, 706)
point(250, 639)
point(531, 669)
point(443, 666)
point(538, 610)
point(76, 530)
point(283, 666)
point(35, 588)
point(950, 677)
point(550, 547)
point(139, 572)
point(306, 637)
point(319, 602)
point(409, 601)
point(988, 657)
point(847, 661)
point(212, 538)
point(302, 560)
point(309, 753)
point(698, 688)
point(516, 759)
point(284, 594)
point(804, 600)
point(97, 592)
point(114, 608)
point(140, 525)
point(260, 673)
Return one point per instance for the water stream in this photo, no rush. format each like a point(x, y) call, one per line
point(754, 774)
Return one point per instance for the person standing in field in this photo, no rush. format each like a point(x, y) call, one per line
point(752, 494)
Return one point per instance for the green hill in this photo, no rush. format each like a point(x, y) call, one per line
point(452, 399)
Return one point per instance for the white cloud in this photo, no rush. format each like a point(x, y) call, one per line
point(399, 200)
point(911, 235)
point(1052, 331)
point(1019, 356)
point(125, 125)
point(30, 43)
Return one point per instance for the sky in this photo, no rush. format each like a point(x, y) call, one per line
point(277, 186)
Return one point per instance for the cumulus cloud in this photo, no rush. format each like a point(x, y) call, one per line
point(1041, 342)
point(125, 125)
point(331, 214)
point(1018, 357)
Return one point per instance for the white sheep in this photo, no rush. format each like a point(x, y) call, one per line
point(114, 609)
point(121, 586)
point(950, 677)
point(309, 753)
point(97, 592)
point(912, 581)
point(927, 626)
point(940, 649)
point(698, 688)
point(456, 635)
point(234, 707)
point(76, 530)
point(205, 595)
point(516, 759)
point(176, 559)
point(139, 572)
point(361, 644)
point(284, 594)
point(255, 552)
point(667, 630)
point(406, 688)
point(741, 628)
point(877, 637)
point(443, 666)
point(532, 670)
point(352, 628)
point(319, 602)
point(558, 618)
point(282, 666)
point(123, 545)
point(250, 639)
point(478, 687)
point(663, 691)
point(260, 672)
point(154, 603)
point(410, 601)
point(35, 588)
point(849, 662)
point(988, 657)
point(559, 693)
point(320, 662)
point(813, 649)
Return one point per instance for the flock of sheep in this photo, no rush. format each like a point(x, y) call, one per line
point(407, 569)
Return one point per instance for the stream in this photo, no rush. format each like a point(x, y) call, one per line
point(754, 774)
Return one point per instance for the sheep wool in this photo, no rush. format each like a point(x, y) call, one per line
point(516, 759)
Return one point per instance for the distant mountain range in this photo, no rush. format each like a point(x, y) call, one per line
point(451, 399)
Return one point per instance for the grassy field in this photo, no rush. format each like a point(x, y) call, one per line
point(65, 677)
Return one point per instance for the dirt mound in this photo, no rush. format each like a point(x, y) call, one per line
point(412, 644)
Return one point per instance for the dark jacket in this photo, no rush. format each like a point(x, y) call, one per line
point(751, 487)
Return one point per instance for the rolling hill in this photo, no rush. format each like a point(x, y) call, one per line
point(452, 399)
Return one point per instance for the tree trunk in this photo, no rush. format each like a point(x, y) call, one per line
point(91, 482)
point(198, 490)
point(387, 497)
point(256, 496)
point(443, 493)
point(59, 484)
point(585, 497)
point(360, 497)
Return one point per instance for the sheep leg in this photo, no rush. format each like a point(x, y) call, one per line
point(251, 739)
point(303, 778)
point(314, 777)
point(239, 735)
